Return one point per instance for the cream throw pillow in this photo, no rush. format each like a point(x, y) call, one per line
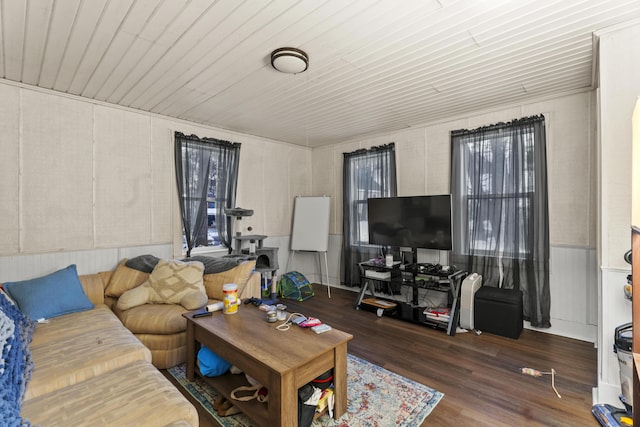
point(170, 282)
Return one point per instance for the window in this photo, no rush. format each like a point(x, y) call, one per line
point(207, 235)
point(366, 174)
point(367, 182)
point(206, 172)
point(498, 185)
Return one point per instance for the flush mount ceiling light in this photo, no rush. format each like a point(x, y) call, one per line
point(289, 60)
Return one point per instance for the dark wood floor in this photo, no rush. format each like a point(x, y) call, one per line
point(479, 375)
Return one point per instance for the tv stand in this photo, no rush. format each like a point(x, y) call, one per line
point(429, 277)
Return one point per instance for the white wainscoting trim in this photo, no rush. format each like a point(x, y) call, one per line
point(28, 266)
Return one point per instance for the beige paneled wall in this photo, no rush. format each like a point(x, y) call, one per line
point(56, 186)
point(10, 169)
point(78, 175)
point(571, 154)
point(162, 178)
point(423, 163)
point(123, 178)
point(411, 162)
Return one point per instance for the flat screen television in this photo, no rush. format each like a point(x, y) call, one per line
point(411, 222)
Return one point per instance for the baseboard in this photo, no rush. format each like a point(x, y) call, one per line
point(607, 393)
point(578, 331)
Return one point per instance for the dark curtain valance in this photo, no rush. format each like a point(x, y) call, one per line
point(205, 141)
point(498, 126)
point(374, 149)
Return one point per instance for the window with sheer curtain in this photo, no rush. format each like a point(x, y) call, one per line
point(501, 226)
point(366, 174)
point(207, 177)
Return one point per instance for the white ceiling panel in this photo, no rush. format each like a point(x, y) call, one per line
point(375, 66)
point(101, 38)
point(67, 43)
point(14, 25)
point(39, 15)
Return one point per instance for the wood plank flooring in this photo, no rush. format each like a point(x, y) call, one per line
point(479, 374)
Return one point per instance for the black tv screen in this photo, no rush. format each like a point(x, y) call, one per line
point(412, 222)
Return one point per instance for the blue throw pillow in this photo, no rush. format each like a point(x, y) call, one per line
point(210, 364)
point(50, 296)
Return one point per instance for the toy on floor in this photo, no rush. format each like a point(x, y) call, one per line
point(536, 373)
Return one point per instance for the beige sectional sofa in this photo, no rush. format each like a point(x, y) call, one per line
point(161, 327)
point(89, 370)
point(96, 367)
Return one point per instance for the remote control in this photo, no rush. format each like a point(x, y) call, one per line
point(321, 328)
point(202, 314)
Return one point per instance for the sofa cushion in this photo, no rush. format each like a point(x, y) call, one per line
point(239, 275)
point(136, 394)
point(98, 321)
point(93, 286)
point(170, 282)
point(166, 350)
point(90, 349)
point(50, 296)
point(123, 279)
point(163, 342)
point(160, 319)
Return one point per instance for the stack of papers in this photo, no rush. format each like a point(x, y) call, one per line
point(326, 400)
point(437, 313)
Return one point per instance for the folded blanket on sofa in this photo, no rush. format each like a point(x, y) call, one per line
point(16, 363)
point(212, 265)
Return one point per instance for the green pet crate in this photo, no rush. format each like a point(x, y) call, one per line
point(293, 285)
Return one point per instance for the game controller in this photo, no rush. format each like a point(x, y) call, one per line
point(253, 300)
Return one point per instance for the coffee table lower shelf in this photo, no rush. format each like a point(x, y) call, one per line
point(226, 383)
point(282, 362)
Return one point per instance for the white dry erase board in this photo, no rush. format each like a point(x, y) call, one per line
point(310, 230)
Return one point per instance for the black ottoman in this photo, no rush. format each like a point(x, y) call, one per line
point(498, 311)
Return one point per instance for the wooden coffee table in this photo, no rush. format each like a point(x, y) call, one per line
point(281, 361)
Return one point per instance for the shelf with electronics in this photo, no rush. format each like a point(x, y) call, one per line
point(424, 293)
point(421, 293)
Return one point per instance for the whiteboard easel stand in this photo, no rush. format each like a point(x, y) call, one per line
point(326, 267)
point(310, 229)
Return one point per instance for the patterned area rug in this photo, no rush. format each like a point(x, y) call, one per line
point(376, 397)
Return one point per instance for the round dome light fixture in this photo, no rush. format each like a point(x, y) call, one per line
point(289, 60)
